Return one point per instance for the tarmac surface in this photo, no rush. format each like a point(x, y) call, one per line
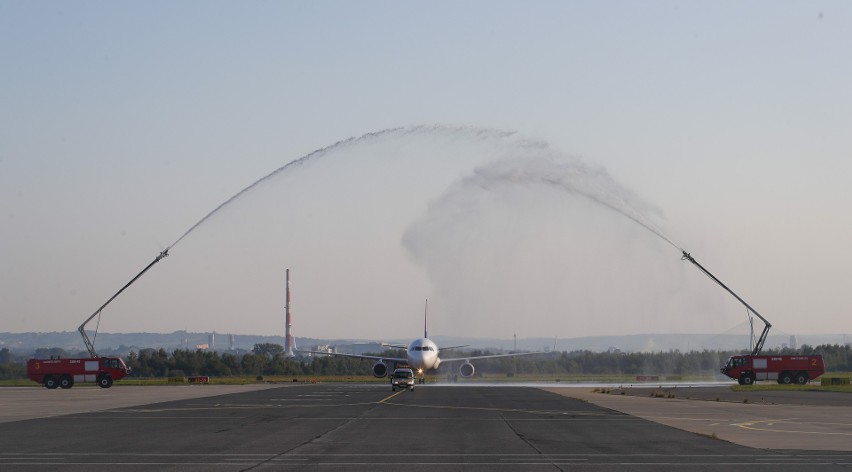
point(367, 427)
point(780, 420)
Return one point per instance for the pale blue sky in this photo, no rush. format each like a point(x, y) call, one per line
point(122, 124)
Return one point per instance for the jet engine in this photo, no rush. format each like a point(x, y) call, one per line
point(380, 369)
point(466, 370)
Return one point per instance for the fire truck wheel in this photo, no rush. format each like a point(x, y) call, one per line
point(785, 378)
point(50, 382)
point(801, 378)
point(66, 381)
point(104, 381)
point(747, 379)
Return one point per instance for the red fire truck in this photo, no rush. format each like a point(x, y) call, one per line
point(784, 369)
point(65, 373)
point(748, 368)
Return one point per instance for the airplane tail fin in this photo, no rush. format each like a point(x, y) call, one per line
point(426, 320)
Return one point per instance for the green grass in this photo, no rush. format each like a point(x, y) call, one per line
point(814, 385)
point(17, 383)
point(220, 380)
point(574, 378)
point(541, 378)
point(563, 378)
point(254, 380)
point(811, 387)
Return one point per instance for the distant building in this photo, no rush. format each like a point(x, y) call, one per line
point(323, 348)
point(793, 343)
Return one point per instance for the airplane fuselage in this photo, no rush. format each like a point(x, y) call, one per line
point(423, 355)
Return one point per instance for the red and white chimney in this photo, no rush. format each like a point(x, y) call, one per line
point(288, 337)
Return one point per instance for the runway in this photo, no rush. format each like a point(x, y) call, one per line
point(367, 427)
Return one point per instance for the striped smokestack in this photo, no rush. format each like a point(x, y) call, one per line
point(288, 337)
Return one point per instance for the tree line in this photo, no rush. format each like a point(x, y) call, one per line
point(269, 360)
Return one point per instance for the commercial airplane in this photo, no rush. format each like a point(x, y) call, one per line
point(422, 355)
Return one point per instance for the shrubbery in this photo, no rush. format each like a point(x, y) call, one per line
point(269, 359)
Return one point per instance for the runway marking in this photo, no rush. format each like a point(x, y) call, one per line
point(704, 464)
point(385, 460)
point(227, 407)
point(750, 425)
point(301, 399)
point(682, 418)
point(380, 465)
point(511, 410)
point(530, 455)
point(383, 400)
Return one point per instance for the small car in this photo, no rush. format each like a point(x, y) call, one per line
point(402, 378)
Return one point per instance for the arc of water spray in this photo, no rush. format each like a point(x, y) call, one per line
point(312, 155)
point(615, 209)
point(572, 178)
point(325, 150)
point(353, 140)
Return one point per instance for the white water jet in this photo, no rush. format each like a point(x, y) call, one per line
point(500, 231)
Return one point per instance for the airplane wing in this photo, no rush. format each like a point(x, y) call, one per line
point(361, 356)
point(455, 347)
point(492, 356)
point(395, 346)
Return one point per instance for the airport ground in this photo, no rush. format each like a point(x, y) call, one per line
point(354, 426)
